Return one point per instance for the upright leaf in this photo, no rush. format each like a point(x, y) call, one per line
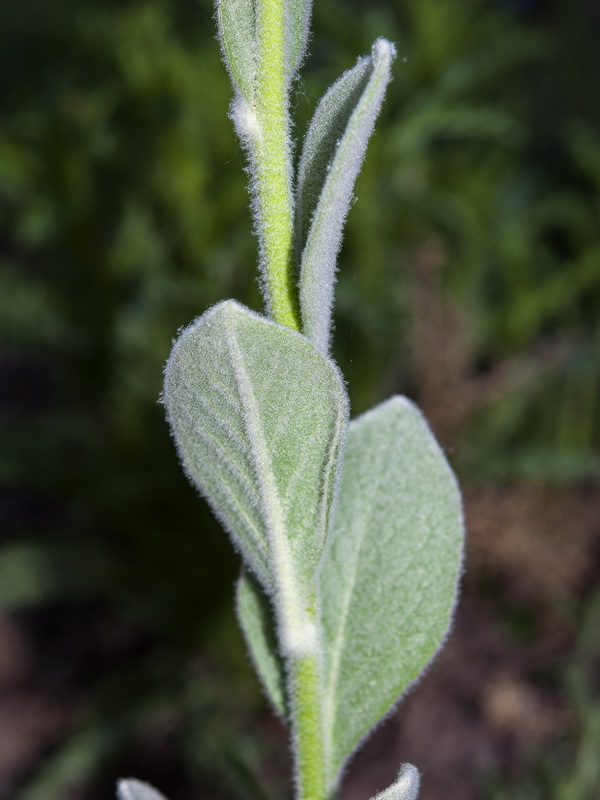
point(259, 418)
point(131, 789)
point(322, 140)
point(390, 572)
point(237, 31)
point(332, 155)
point(296, 31)
point(257, 621)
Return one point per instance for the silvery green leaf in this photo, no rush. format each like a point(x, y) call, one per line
point(405, 787)
point(237, 31)
point(259, 418)
point(321, 142)
point(297, 28)
point(131, 789)
point(332, 155)
point(256, 619)
point(236, 21)
point(390, 572)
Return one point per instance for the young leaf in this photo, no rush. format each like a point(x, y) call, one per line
point(332, 155)
point(259, 418)
point(256, 619)
point(237, 32)
point(322, 139)
point(390, 571)
point(131, 789)
point(297, 30)
point(405, 787)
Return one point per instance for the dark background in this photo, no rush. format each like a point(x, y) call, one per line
point(469, 280)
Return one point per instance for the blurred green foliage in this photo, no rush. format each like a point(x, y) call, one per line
point(470, 279)
point(559, 773)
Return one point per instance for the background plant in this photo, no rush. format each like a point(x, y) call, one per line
point(116, 228)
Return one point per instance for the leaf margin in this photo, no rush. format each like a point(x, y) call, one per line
point(337, 763)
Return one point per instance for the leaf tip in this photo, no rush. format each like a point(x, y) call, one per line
point(132, 789)
point(405, 787)
point(383, 49)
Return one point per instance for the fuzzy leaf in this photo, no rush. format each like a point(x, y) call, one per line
point(259, 418)
point(237, 32)
point(405, 787)
point(332, 155)
point(390, 572)
point(131, 789)
point(256, 619)
point(297, 30)
point(322, 139)
point(236, 21)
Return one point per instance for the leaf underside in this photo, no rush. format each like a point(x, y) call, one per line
point(132, 789)
point(322, 139)
point(257, 621)
point(237, 30)
point(297, 30)
point(389, 575)
point(236, 20)
point(331, 159)
point(405, 787)
point(259, 418)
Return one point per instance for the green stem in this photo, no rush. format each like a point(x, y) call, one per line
point(307, 704)
point(273, 164)
point(300, 643)
point(274, 192)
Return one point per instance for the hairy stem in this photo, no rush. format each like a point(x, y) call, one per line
point(300, 644)
point(274, 191)
point(306, 703)
point(273, 164)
